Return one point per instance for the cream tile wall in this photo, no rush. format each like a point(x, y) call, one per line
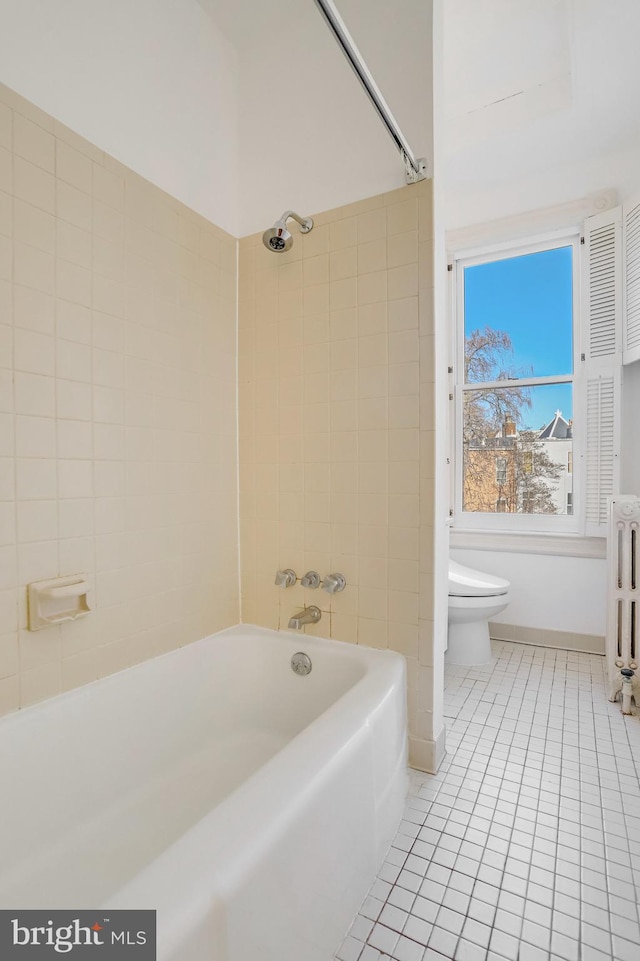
point(336, 426)
point(117, 409)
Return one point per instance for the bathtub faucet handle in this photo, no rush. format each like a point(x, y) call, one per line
point(285, 578)
point(333, 583)
point(310, 579)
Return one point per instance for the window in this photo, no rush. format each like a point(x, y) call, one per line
point(515, 309)
point(533, 360)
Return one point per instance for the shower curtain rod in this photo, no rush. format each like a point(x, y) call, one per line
point(416, 168)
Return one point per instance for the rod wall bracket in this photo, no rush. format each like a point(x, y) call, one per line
point(414, 176)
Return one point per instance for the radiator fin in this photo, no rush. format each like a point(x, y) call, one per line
point(623, 606)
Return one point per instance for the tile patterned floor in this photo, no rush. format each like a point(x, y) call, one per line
point(526, 844)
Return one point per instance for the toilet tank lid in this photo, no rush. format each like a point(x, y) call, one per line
point(467, 582)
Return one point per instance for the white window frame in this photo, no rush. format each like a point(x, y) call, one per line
point(499, 522)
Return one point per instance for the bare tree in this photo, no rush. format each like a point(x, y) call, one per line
point(488, 357)
point(533, 477)
point(505, 467)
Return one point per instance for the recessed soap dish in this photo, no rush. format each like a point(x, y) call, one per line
point(56, 600)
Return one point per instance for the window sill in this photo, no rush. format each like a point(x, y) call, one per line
point(517, 542)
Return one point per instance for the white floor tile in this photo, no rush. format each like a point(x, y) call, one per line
point(361, 928)
point(401, 898)
point(507, 922)
point(443, 941)
point(477, 932)
point(417, 930)
point(407, 950)
point(351, 950)
point(382, 938)
point(526, 844)
point(529, 952)
point(470, 951)
point(534, 933)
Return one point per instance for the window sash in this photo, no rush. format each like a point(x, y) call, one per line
point(554, 523)
point(519, 382)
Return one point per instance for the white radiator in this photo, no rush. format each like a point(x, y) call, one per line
point(623, 595)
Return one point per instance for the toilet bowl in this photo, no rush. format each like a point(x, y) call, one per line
point(474, 598)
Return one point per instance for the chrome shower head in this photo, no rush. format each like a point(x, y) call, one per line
point(278, 238)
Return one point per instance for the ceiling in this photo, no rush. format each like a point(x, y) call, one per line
point(535, 91)
point(529, 88)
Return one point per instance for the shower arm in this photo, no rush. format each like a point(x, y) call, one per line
point(415, 168)
point(305, 222)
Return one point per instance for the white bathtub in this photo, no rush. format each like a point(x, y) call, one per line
point(250, 806)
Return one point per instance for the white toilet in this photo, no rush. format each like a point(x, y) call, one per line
point(474, 598)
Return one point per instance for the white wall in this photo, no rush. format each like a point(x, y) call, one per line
point(152, 82)
point(474, 203)
point(547, 592)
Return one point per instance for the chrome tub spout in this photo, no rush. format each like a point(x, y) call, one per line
point(308, 615)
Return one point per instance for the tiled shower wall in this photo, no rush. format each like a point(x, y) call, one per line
point(336, 426)
point(117, 409)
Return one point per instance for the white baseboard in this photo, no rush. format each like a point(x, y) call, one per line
point(564, 640)
point(427, 755)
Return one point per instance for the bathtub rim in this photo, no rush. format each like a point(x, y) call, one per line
point(29, 713)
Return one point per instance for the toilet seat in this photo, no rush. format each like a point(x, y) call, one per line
point(467, 582)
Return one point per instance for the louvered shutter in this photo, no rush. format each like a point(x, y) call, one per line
point(631, 281)
point(600, 376)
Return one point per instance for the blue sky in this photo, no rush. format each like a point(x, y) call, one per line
point(530, 298)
